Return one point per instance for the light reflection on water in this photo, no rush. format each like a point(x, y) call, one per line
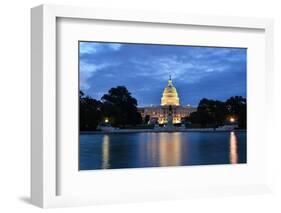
point(105, 152)
point(137, 150)
point(163, 149)
point(233, 155)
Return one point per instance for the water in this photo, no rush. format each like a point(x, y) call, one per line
point(138, 150)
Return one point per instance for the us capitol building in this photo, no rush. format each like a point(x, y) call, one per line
point(170, 107)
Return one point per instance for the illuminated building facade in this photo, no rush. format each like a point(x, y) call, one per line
point(170, 100)
point(170, 95)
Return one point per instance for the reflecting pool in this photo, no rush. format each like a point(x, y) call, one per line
point(156, 149)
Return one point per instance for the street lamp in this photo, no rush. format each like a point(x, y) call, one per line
point(106, 120)
point(232, 120)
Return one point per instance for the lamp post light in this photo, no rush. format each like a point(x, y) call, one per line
point(106, 120)
point(232, 120)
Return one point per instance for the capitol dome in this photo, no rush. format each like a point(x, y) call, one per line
point(170, 95)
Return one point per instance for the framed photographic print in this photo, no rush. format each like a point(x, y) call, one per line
point(149, 106)
point(128, 121)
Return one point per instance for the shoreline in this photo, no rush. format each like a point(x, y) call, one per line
point(122, 131)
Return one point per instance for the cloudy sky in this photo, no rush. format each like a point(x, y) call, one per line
point(197, 72)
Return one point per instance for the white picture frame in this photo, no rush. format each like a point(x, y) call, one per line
point(45, 157)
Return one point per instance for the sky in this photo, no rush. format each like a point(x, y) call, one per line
point(196, 72)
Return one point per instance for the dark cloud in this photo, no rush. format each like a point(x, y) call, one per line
point(197, 72)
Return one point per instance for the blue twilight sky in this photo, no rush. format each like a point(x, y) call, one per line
point(197, 72)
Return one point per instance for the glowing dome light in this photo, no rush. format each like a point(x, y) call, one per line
point(170, 95)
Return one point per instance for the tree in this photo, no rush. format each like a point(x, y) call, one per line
point(121, 107)
point(209, 112)
point(81, 94)
point(237, 107)
point(89, 112)
point(216, 112)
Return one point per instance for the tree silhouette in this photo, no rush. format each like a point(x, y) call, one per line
point(121, 107)
point(237, 107)
point(90, 112)
point(214, 112)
